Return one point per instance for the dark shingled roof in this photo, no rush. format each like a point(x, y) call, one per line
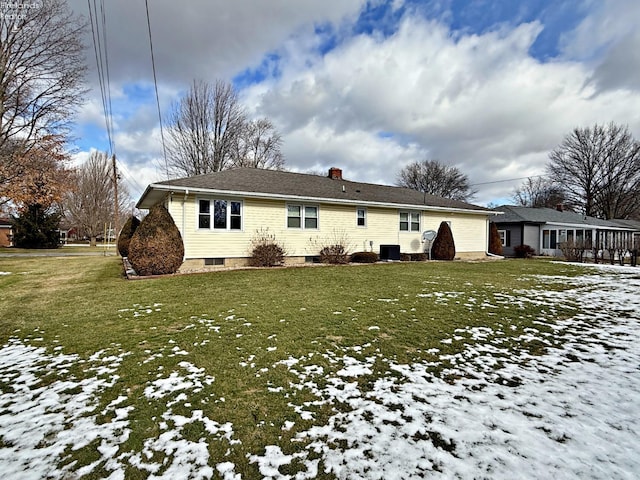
point(273, 182)
point(515, 214)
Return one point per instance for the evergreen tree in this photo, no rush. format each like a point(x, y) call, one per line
point(156, 247)
point(443, 247)
point(495, 245)
point(37, 227)
point(124, 239)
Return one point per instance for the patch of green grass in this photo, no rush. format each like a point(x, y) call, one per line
point(237, 326)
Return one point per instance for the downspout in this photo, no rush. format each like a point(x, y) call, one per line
point(184, 221)
point(487, 235)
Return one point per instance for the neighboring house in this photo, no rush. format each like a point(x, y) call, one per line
point(218, 215)
point(544, 229)
point(6, 232)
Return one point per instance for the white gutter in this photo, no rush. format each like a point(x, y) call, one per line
point(588, 226)
point(335, 201)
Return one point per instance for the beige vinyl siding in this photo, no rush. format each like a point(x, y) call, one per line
point(382, 227)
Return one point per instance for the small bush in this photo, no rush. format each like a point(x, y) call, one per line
point(405, 257)
point(573, 251)
point(523, 251)
point(124, 239)
point(443, 247)
point(265, 251)
point(364, 257)
point(156, 247)
point(495, 245)
point(418, 257)
point(335, 254)
point(334, 249)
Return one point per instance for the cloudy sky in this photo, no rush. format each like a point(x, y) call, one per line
point(488, 86)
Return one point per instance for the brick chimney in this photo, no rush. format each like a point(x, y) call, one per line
point(335, 173)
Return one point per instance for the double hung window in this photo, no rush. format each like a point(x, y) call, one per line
point(302, 216)
point(409, 221)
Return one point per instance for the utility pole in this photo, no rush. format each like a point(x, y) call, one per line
point(115, 205)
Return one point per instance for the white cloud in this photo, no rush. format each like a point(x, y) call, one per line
point(480, 102)
point(373, 104)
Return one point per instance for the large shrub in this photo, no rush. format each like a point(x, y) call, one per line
point(495, 244)
point(156, 247)
point(36, 227)
point(265, 250)
point(124, 239)
point(443, 247)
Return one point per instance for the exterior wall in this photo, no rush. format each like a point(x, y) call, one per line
point(5, 233)
point(382, 227)
point(531, 237)
point(514, 235)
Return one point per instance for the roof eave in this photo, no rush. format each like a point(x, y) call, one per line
point(278, 196)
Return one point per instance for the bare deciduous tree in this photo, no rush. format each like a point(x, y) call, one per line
point(599, 170)
point(434, 178)
point(539, 192)
point(42, 69)
point(203, 128)
point(259, 146)
point(90, 206)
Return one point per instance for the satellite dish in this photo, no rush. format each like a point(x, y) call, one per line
point(429, 235)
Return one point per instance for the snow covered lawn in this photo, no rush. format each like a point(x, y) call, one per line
point(494, 409)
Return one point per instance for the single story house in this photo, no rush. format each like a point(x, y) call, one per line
point(544, 229)
point(218, 214)
point(6, 232)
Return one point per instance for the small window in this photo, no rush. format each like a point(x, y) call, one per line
point(204, 216)
point(505, 238)
point(310, 217)
point(409, 221)
point(214, 261)
point(549, 239)
point(404, 222)
point(415, 222)
point(220, 214)
point(361, 217)
point(235, 222)
point(302, 216)
point(294, 216)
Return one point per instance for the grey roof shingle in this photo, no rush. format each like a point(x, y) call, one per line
point(273, 182)
point(516, 214)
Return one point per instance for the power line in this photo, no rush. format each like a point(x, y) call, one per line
point(106, 61)
point(155, 83)
point(102, 66)
point(507, 180)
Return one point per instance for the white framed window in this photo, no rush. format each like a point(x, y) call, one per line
point(549, 239)
point(303, 216)
point(505, 238)
point(361, 217)
point(219, 214)
point(409, 221)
